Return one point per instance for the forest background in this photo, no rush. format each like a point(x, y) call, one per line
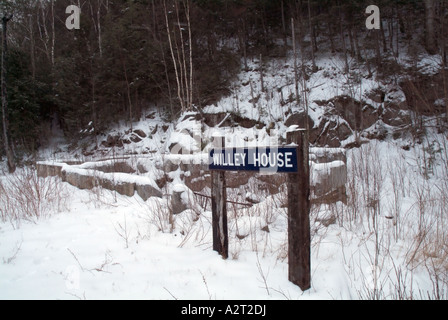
point(181, 55)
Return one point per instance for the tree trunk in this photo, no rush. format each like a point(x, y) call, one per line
point(128, 92)
point(296, 74)
point(178, 77)
point(284, 26)
point(32, 49)
point(98, 18)
point(430, 37)
point(377, 49)
point(242, 40)
point(344, 46)
point(53, 32)
point(313, 38)
point(183, 63)
point(8, 151)
point(190, 44)
point(443, 35)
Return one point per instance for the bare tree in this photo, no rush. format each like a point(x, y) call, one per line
point(44, 34)
point(296, 73)
point(6, 140)
point(312, 36)
point(430, 35)
point(96, 22)
point(183, 63)
point(53, 33)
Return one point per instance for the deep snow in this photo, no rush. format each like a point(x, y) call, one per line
point(107, 246)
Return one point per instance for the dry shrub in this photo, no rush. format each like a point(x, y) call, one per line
point(24, 195)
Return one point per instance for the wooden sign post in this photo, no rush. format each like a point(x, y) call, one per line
point(293, 160)
point(299, 253)
point(219, 205)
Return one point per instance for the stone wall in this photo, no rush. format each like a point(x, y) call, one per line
point(327, 165)
point(123, 183)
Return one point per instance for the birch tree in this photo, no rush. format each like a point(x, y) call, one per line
point(181, 58)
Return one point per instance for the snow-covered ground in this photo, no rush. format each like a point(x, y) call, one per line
point(388, 241)
point(115, 251)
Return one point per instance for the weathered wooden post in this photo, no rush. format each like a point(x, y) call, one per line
point(299, 253)
point(219, 205)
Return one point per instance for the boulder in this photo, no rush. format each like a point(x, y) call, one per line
point(358, 114)
point(125, 188)
point(112, 140)
point(167, 165)
point(327, 177)
point(396, 117)
point(119, 166)
point(332, 132)
point(140, 133)
point(49, 170)
point(324, 155)
point(213, 119)
point(198, 183)
point(146, 191)
point(81, 180)
point(300, 120)
point(135, 138)
point(179, 199)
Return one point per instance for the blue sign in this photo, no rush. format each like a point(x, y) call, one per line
point(261, 159)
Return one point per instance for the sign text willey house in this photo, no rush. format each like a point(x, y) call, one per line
point(260, 159)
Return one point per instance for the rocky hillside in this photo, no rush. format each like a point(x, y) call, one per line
point(340, 110)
